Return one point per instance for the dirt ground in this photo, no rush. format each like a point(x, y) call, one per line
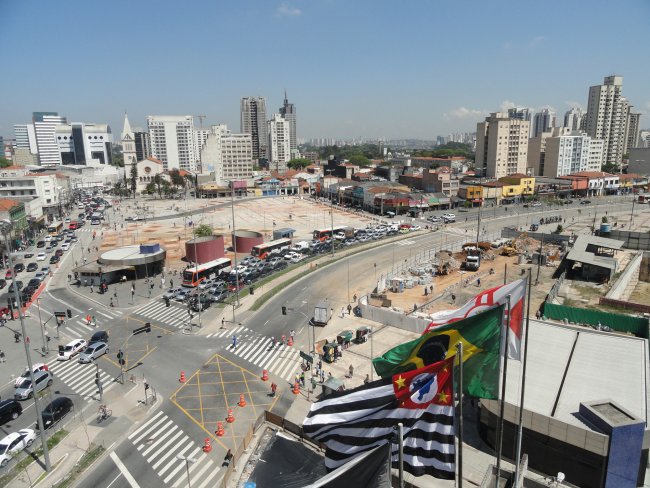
point(641, 293)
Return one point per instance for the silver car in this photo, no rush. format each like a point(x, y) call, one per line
point(93, 351)
point(25, 390)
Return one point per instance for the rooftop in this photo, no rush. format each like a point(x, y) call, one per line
point(7, 204)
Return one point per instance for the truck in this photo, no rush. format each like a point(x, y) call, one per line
point(322, 313)
point(473, 260)
point(300, 246)
point(344, 233)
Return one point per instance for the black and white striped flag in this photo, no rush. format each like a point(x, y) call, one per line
point(352, 422)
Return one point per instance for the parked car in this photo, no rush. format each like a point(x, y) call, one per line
point(71, 349)
point(19, 267)
point(56, 410)
point(536, 204)
point(32, 267)
point(28, 255)
point(48, 238)
point(45, 270)
point(14, 443)
point(26, 390)
point(93, 351)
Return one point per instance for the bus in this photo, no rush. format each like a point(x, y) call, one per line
point(194, 275)
point(322, 234)
point(263, 250)
point(55, 228)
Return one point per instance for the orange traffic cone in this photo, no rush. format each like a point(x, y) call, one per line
point(242, 401)
point(230, 419)
point(265, 375)
point(219, 430)
point(290, 343)
point(296, 388)
point(182, 378)
point(206, 446)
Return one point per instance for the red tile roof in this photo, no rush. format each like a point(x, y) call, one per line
point(154, 160)
point(7, 204)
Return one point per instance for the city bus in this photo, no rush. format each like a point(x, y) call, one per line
point(194, 275)
point(263, 250)
point(322, 234)
point(55, 228)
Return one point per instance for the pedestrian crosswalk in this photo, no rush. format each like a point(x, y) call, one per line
point(406, 242)
point(80, 378)
point(79, 326)
point(283, 361)
point(159, 441)
point(174, 315)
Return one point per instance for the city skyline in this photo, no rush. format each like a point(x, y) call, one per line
point(415, 72)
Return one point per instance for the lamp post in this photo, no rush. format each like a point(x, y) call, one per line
point(6, 225)
point(234, 245)
point(632, 214)
point(188, 460)
point(331, 212)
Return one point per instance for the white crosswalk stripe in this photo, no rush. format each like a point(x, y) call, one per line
point(240, 332)
point(79, 327)
point(80, 377)
point(174, 315)
point(159, 440)
point(407, 242)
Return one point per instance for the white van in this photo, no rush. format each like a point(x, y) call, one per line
point(300, 246)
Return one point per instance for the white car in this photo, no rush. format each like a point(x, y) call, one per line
point(536, 204)
point(65, 246)
point(449, 216)
point(48, 238)
point(239, 269)
point(415, 227)
point(41, 256)
point(67, 352)
point(93, 351)
point(296, 258)
point(37, 367)
point(15, 442)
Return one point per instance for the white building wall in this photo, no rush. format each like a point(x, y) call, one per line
point(45, 132)
point(173, 141)
point(26, 137)
point(279, 143)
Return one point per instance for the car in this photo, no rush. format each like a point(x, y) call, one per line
point(28, 255)
point(415, 227)
point(219, 296)
point(93, 351)
point(45, 270)
point(34, 282)
point(9, 410)
point(568, 202)
point(54, 259)
point(40, 244)
point(296, 258)
point(181, 295)
point(25, 390)
point(73, 238)
point(448, 217)
point(585, 202)
point(233, 287)
point(275, 260)
point(99, 336)
point(58, 252)
point(64, 247)
point(19, 267)
point(280, 265)
point(67, 220)
point(205, 284)
point(71, 349)
point(59, 237)
point(536, 204)
point(14, 443)
point(56, 410)
point(217, 288)
point(171, 292)
point(239, 269)
point(32, 267)
point(48, 238)
point(3, 283)
point(95, 222)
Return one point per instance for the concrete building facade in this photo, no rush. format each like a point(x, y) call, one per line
point(172, 141)
point(502, 145)
point(544, 121)
point(574, 119)
point(228, 155)
point(288, 112)
point(279, 143)
point(45, 124)
point(633, 127)
point(253, 122)
point(84, 144)
point(570, 152)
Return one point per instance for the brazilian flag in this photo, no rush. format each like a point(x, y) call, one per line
point(480, 335)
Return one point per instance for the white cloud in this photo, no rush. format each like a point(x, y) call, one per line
point(572, 104)
point(464, 113)
point(286, 10)
point(507, 104)
point(537, 40)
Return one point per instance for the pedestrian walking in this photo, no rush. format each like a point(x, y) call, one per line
point(234, 342)
point(478, 282)
point(320, 364)
point(16, 337)
point(91, 288)
point(349, 309)
point(342, 312)
point(453, 298)
point(367, 380)
point(322, 376)
point(351, 370)
point(292, 334)
point(2, 356)
point(354, 298)
point(171, 282)
point(274, 387)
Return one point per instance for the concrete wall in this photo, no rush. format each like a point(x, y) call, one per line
point(644, 269)
point(624, 285)
point(633, 240)
point(512, 233)
point(391, 317)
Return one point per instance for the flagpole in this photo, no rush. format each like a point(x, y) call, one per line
point(400, 440)
point(459, 382)
point(505, 273)
point(520, 428)
point(503, 394)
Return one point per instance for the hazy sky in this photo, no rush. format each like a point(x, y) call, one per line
point(369, 68)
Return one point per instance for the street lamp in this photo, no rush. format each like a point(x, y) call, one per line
point(331, 212)
point(6, 226)
point(234, 246)
point(188, 460)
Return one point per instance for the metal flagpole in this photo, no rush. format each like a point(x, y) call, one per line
point(505, 273)
point(459, 382)
point(400, 440)
point(503, 392)
point(520, 427)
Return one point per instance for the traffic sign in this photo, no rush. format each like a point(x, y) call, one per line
point(306, 357)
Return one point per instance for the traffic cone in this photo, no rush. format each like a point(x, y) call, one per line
point(230, 419)
point(265, 375)
point(206, 446)
point(290, 343)
point(296, 388)
point(242, 401)
point(182, 378)
point(219, 430)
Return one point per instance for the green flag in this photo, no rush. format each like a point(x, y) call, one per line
point(480, 335)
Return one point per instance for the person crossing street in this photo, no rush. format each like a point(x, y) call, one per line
point(234, 342)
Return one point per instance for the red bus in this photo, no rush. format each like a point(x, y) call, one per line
point(196, 274)
point(322, 234)
point(263, 250)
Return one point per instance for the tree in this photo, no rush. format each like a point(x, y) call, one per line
point(158, 180)
point(203, 230)
point(4, 162)
point(150, 189)
point(134, 178)
point(359, 160)
point(176, 179)
point(611, 168)
point(298, 163)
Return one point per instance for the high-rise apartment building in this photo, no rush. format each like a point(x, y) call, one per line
point(574, 119)
point(633, 126)
point(229, 155)
point(45, 132)
point(502, 145)
point(543, 121)
point(568, 152)
point(26, 137)
point(142, 145)
point(173, 141)
point(607, 117)
point(279, 143)
point(288, 112)
point(253, 122)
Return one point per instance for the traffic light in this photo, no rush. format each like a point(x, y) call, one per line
point(284, 310)
point(120, 354)
point(68, 312)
